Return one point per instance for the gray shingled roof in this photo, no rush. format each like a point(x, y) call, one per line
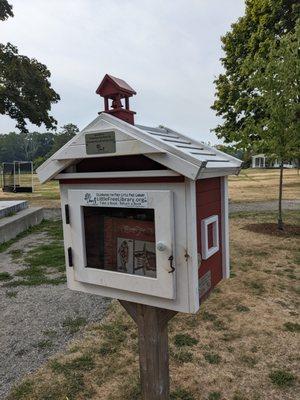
point(191, 147)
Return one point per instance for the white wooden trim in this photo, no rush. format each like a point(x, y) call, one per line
point(177, 164)
point(216, 172)
point(117, 174)
point(207, 251)
point(48, 171)
point(225, 228)
point(127, 147)
point(162, 202)
point(192, 246)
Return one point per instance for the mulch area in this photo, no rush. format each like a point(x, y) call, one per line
point(272, 229)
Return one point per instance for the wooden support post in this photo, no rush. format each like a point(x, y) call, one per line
point(152, 323)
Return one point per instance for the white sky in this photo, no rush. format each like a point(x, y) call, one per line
point(167, 50)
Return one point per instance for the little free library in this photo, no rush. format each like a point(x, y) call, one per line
point(145, 220)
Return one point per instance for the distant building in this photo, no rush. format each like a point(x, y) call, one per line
point(261, 161)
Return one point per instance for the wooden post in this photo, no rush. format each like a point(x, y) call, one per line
point(152, 323)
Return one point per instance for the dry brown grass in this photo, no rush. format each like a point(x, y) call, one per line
point(262, 185)
point(250, 185)
point(46, 195)
point(241, 333)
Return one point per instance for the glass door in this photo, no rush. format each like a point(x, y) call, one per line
point(124, 239)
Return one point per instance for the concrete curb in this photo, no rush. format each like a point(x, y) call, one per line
point(10, 227)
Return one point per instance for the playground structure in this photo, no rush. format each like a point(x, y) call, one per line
point(17, 177)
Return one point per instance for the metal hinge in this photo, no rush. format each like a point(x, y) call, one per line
point(70, 257)
point(186, 256)
point(67, 214)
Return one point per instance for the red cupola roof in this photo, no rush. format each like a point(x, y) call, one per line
point(116, 89)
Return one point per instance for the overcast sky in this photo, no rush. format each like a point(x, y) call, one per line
point(167, 50)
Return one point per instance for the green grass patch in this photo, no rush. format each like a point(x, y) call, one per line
point(250, 361)
point(242, 308)
point(184, 339)
point(181, 394)
point(282, 378)
point(11, 294)
point(19, 392)
point(50, 333)
point(115, 333)
point(79, 364)
point(183, 356)
point(52, 227)
point(214, 396)
point(72, 325)
point(131, 389)
point(5, 276)
point(256, 287)
point(41, 262)
point(207, 316)
point(16, 254)
point(44, 344)
point(297, 259)
point(292, 327)
point(48, 255)
point(212, 358)
point(219, 325)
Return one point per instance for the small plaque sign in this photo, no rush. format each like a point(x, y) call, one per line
point(100, 143)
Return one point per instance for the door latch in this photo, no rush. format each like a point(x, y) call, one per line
point(171, 258)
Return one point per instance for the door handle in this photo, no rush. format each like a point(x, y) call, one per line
point(171, 258)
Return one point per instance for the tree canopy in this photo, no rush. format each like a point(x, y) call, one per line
point(247, 46)
point(278, 84)
point(25, 89)
point(34, 146)
point(5, 10)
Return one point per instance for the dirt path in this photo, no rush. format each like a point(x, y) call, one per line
point(37, 321)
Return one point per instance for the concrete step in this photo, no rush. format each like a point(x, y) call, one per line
point(10, 227)
point(8, 207)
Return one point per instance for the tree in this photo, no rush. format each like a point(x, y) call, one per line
point(5, 10)
point(258, 94)
point(278, 84)
point(237, 100)
point(61, 138)
point(25, 90)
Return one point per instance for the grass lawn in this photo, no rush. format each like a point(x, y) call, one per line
point(250, 185)
point(242, 345)
point(262, 185)
point(46, 195)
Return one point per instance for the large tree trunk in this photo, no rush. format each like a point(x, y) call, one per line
point(280, 222)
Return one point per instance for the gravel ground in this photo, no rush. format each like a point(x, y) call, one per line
point(32, 318)
point(32, 323)
point(264, 206)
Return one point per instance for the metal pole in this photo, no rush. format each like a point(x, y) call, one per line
point(32, 175)
point(14, 176)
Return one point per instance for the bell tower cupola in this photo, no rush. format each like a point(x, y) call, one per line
point(116, 93)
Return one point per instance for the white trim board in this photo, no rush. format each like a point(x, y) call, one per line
point(158, 144)
point(116, 174)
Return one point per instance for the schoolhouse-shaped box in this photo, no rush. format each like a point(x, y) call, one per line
point(145, 210)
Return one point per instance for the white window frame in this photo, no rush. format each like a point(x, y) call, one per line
point(164, 283)
point(207, 252)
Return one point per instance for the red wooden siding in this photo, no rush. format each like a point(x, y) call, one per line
point(208, 203)
point(146, 179)
point(120, 163)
